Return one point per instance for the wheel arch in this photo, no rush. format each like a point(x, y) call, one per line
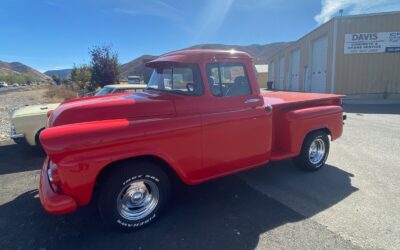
point(158, 161)
point(326, 130)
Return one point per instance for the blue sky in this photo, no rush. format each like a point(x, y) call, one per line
point(54, 34)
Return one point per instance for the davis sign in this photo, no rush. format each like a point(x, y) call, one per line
point(375, 42)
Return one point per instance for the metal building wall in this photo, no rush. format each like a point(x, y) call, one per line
point(371, 73)
point(304, 45)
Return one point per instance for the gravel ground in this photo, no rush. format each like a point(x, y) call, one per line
point(10, 101)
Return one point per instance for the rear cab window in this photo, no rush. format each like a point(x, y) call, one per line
point(228, 79)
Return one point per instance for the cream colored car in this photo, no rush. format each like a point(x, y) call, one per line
point(27, 122)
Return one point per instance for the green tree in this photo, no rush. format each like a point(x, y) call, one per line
point(105, 66)
point(82, 76)
point(56, 79)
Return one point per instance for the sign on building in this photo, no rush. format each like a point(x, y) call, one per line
point(375, 42)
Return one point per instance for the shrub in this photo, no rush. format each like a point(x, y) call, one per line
point(61, 93)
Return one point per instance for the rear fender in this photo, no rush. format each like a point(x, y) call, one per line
point(298, 123)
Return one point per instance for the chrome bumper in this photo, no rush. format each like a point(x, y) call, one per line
point(14, 134)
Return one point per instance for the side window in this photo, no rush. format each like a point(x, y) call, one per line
point(228, 79)
point(180, 78)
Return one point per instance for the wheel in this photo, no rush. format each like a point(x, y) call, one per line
point(133, 195)
point(314, 151)
point(38, 146)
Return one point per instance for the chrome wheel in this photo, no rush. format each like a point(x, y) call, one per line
point(138, 199)
point(317, 151)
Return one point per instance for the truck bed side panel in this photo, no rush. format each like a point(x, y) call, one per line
point(296, 124)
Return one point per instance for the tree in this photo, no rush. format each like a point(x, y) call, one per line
point(56, 79)
point(105, 66)
point(82, 76)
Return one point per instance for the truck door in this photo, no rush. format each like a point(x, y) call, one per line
point(236, 127)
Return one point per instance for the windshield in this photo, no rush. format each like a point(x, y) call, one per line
point(180, 78)
point(104, 91)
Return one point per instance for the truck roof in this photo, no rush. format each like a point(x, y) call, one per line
point(198, 55)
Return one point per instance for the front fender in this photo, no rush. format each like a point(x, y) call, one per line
point(82, 150)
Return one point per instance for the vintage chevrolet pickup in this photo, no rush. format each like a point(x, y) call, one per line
point(202, 116)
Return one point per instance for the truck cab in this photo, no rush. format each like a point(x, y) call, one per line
point(202, 116)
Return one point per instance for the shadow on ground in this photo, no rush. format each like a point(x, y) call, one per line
point(16, 158)
point(373, 108)
point(222, 214)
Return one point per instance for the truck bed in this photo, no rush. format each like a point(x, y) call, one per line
point(278, 98)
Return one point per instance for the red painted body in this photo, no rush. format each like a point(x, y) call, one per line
point(198, 137)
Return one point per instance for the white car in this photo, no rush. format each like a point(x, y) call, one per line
point(29, 121)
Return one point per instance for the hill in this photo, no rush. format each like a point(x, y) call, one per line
point(18, 72)
point(60, 73)
point(260, 53)
point(137, 67)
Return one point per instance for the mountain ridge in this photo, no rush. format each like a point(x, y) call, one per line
point(260, 53)
point(20, 72)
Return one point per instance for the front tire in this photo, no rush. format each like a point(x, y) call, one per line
point(133, 195)
point(314, 152)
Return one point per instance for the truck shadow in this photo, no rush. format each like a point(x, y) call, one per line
point(16, 158)
point(223, 214)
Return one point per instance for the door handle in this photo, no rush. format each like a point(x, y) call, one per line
point(252, 100)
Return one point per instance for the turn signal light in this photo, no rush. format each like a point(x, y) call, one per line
point(54, 177)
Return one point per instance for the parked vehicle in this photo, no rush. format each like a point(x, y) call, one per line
point(15, 85)
point(133, 79)
point(29, 121)
point(201, 117)
point(118, 88)
point(3, 85)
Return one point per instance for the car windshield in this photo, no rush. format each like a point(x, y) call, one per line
point(180, 78)
point(104, 91)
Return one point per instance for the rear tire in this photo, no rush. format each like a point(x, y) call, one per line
point(133, 195)
point(314, 152)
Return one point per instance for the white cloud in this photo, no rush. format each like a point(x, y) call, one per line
point(152, 8)
point(331, 8)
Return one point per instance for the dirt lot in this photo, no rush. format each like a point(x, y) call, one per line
point(352, 203)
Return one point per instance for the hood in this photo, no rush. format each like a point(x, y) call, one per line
point(34, 110)
point(118, 106)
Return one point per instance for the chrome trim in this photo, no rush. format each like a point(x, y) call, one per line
point(316, 152)
point(252, 100)
point(268, 107)
point(138, 199)
point(14, 134)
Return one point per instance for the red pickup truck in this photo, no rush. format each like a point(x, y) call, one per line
point(202, 116)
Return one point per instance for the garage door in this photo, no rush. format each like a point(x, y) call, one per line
point(294, 71)
point(271, 71)
point(318, 67)
point(281, 72)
